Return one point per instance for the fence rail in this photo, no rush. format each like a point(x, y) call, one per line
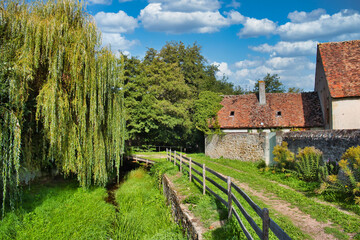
point(267, 222)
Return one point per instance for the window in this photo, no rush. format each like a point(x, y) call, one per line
point(278, 113)
point(232, 113)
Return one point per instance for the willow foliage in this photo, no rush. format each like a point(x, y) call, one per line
point(61, 96)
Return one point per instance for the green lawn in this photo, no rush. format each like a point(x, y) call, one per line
point(298, 193)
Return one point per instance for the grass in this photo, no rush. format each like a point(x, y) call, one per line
point(60, 210)
point(204, 207)
point(142, 210)
point(248, 173)
point(298, 194)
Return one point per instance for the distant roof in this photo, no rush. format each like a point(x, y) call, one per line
point(300, 110)
point(341, 61)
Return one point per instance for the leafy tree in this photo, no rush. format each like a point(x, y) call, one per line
point(157, 103)
point(295, 90)
point(61, 98)
point(206, 108)
point(272, 84)
point(162, 91)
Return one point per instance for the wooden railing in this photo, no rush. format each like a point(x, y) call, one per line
point(139, 159)
point(267, 222)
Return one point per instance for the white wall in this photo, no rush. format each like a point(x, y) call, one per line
point(346, 113)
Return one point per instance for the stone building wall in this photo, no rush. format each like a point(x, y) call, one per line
point(241, 146)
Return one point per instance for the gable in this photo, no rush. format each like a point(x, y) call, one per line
point(341, 63)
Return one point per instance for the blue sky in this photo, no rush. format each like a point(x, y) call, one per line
point(246, 38)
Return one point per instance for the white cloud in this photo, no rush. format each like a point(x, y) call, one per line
point(116, 22)
point(155, 18)
point(257, 27)
point(325, 27)
point(117, 42)
point(223, 70)
point(304, 48)
point(293, 72)
point(234, 4)
point(235, 17)
point(188, 5)
point(103, 2)
point(300, 17)
point(248, 64)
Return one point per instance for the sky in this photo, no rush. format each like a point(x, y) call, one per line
point(246, 39)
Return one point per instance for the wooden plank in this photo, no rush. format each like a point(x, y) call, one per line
point(246, 232)
point(198, 180)
point(196, 171)
point(197, 164)
point(217, 185)
point(281, 234)
point(217, 196)
point(247, 217)
point(216, 174)
point(256, 208)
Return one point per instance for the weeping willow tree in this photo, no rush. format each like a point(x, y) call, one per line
point(61, 95)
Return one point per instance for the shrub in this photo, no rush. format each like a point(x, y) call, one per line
point(283, 157)
point(309, 165)
point(348, 179)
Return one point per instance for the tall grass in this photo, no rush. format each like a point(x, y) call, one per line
point(142, 210)
point(60, 211)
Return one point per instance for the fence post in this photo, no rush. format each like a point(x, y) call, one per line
point(190, 170)
point(204, 178)
point(180, 162)
point(229, 196)
point(266, 224)
point(167, 154)
point(174, 157)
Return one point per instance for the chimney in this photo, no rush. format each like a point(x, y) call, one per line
point(262, 96)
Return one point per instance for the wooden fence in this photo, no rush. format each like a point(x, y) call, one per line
point(267, 222)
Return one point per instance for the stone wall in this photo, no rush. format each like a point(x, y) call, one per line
point(256, 146)
point(241, 146)
point(333, 143)
point(180, 213)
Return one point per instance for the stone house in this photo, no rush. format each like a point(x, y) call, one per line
point(337, 81)
point(268, 112)
point(250, 121)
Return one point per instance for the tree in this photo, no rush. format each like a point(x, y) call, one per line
point(206, 108)
point(162, 91)
point(64, 103)
point(295, 90)
point(272, 84)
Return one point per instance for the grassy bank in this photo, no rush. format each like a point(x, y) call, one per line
point(142, 210)
point(60, 210)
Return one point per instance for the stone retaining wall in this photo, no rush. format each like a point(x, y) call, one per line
point(180, 212)
point(333, 143)
point(256, 146)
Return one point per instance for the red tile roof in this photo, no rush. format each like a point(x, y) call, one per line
point(341, 61)
point(281, 110)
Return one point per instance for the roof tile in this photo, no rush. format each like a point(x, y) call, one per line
point(280, 110)
point(341, 61)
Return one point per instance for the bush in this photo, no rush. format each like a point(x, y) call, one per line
point(309, 166)
point(347, 180)
point(283, 157)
